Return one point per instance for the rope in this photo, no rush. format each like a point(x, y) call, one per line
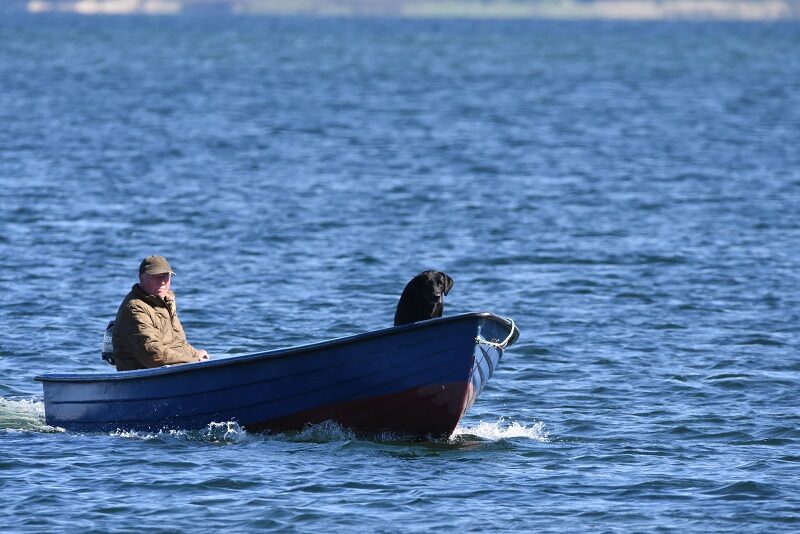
point(495, 344)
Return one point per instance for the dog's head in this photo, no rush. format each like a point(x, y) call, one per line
point(431, 286)
point(423, 297)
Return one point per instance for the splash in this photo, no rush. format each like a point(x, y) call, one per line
point(215, 432)
point(321, 432)
point(502, 430)
point(230, 432)
point(149, 436)
point(227, 432)
point(23, 415)
point(330, 431)
point(28, 415)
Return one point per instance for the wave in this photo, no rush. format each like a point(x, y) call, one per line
point(222, 432)
point(24, 415)
point(329, 432)
point(746, 490)
point(28, 415)
point(502, 430)
point(231, 432)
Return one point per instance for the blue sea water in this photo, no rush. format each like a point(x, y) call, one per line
point(628, 193)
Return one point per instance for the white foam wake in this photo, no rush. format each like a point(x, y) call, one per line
point(503, 429)
point(230, 432)
point(23, 415)
point(222, 432)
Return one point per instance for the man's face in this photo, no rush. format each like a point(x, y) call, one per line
point(155, 284)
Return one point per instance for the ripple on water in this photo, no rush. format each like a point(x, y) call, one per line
point(731, 381)
point(648, 250)
point(745, 491)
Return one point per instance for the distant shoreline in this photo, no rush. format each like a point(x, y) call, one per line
point(734, 10)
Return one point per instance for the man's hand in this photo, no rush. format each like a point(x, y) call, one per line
point(202, 355)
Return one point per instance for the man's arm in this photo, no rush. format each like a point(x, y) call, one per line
point(199, 354)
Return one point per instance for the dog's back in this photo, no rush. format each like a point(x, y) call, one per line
point(423, 297)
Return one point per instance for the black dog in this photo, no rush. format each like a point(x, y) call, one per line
point(423, 297)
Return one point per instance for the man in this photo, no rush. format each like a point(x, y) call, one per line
point(147, 332)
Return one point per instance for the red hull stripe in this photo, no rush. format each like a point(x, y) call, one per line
point(433, 410)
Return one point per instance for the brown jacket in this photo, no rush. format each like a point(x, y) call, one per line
point(147, 333)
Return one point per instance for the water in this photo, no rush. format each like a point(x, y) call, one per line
point(628, 193)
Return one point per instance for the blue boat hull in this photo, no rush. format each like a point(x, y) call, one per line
point(411, 380)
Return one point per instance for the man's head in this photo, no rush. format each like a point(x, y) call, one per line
point(155, 275)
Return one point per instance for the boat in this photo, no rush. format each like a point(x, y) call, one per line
point(415, 380)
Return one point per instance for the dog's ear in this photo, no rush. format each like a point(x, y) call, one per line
point(448, 283)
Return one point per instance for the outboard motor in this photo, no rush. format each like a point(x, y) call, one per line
point(107, 348)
